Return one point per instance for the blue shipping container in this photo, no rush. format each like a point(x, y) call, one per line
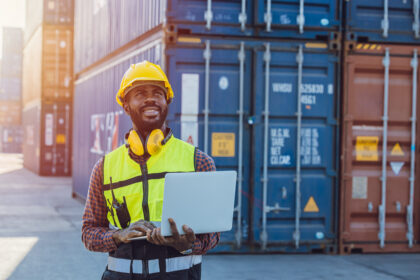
point(102, 27)
point(231, 131)
point(313, 19)
point(374, 21)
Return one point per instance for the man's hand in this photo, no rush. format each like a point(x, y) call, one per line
point(137, 229)
point(179, 242)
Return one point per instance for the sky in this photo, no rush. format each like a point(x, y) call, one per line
point(12, 13)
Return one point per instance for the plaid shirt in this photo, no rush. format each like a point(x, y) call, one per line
point(96, 234)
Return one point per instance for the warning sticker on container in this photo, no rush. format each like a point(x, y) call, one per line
point(223, 144)
point(396, 150)
point(396, 166)
point(60, 139)
point(311, 205)
point(367, 148)
point(359, 187)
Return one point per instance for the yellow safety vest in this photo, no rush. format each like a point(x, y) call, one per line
point(142, 186)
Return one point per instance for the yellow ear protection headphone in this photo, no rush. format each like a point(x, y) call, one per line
point(151, 145)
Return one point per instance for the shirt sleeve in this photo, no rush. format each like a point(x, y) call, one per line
point(204, 242)
point(96, 234)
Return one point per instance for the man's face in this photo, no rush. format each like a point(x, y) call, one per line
point(147, 107)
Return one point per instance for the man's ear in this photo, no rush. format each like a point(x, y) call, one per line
point(126, 107)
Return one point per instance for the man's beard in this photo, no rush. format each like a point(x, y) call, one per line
point(148, 126)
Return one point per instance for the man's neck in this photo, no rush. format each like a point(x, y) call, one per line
point(145, 133)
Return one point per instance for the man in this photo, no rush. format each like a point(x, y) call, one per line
point(126, 189)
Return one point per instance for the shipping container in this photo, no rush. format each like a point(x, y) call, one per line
point(48, 65)
point(11, 138)
point(379, 194)
point(102, 27)
point(382, 21)
point(315, 19)
point(47, 138)
point(232, 72)
point(11, 75)
point(10, 112)
point(50, 12)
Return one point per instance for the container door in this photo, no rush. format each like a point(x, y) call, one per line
point(56, 139)
point(297, 15)
point(379, 140)
point(213, 83)
point(294, 149)
point(378, 20)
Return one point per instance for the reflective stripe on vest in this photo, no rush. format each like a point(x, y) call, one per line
point(172, 264)
point(143, 187)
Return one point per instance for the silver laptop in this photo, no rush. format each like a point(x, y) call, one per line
point(204, 201)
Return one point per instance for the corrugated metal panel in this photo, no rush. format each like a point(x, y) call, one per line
point(51, 12)
point(47, 130)
point(296, 18)
point(380, 143)
point(32, 69)
point(48, 65)
point(383, 21)
point(10, 112)
point(186, 68)
point(11, 76)
point(102, 27)
point(11, 138)
point(296, 209)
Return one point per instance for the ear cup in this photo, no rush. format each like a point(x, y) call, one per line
point(154, 142)
point(135, 143)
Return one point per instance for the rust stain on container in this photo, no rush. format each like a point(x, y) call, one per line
point(361, 194)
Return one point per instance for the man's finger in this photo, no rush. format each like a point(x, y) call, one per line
point(161, 238)
point(190, 236)
point(175, 233)
point(154, 237)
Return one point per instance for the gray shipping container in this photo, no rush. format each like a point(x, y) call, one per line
point(11, 139)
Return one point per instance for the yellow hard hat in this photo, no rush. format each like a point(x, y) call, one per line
point(141, 72)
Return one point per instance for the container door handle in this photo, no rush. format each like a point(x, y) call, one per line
point(385, 20)
point(208, 15)
point(242, 16)
point(416, 18)
point(268, 17)
point(299, 60)
point(206, 111)
point(414, 65)
point(241, 58)
point(300, 19)
point(266, 113)
point(382, 207)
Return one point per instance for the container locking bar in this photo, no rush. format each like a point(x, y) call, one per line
point(67, 144)
point(208, 15)
point(299, 60)
point(300, 19)
point(416, 18)
point(242, 15)
point(238, 208)
point(268, 17)
point(54, 132)
point(267, 59)
point(206, 111)
point(410, 233)
point(382, 207)
point(385, 20)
